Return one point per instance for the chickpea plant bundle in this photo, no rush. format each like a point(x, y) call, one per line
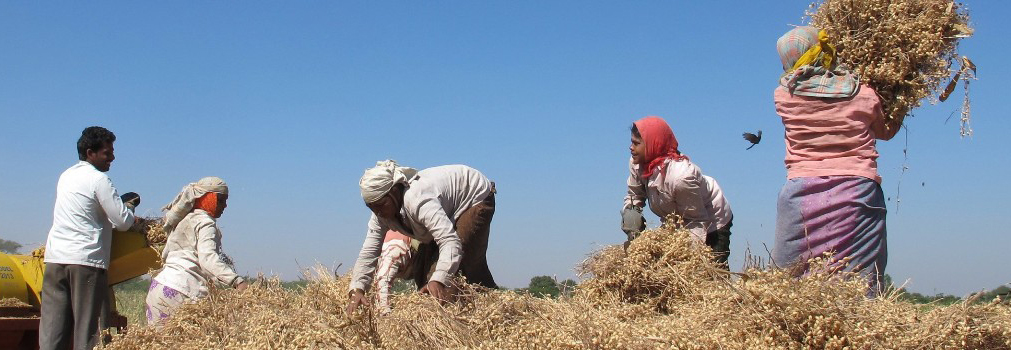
point(905, 49)
point(665, 292)
point(152, 228)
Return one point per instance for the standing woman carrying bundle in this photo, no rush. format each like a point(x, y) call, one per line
point(832, 200)
point(192, 256)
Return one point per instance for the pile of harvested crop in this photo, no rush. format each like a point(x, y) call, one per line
point(12, 302)
point(661, 270)
point(905, 49)
point(676, 299)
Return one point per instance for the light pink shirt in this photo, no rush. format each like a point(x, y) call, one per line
point(682, 190)
point(832, 136)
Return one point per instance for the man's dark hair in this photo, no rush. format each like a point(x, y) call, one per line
point(93, 138)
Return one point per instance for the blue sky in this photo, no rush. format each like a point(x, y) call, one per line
point(291, 102)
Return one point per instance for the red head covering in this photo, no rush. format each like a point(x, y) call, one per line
point(208, 202)
point(660, 144)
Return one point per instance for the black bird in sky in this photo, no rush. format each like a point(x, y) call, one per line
point(754, 139)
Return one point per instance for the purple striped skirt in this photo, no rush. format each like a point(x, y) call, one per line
point(844, 215)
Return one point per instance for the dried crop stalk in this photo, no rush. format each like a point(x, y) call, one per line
point(663, 293)
point(904, 49)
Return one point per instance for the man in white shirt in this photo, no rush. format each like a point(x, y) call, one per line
point(447, 208)
point(75, 283)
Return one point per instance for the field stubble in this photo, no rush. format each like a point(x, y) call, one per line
point(663, 293)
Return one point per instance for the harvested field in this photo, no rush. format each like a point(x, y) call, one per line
point(905, 49)
point(665, 293)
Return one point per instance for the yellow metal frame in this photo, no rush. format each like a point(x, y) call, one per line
point(21, 275)
point(131, 257)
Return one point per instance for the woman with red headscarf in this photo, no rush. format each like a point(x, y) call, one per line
point(673, 185)
point(192, 256)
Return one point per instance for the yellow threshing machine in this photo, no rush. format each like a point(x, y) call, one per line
point(21, 278)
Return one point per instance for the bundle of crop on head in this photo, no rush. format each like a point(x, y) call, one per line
point(905, 49)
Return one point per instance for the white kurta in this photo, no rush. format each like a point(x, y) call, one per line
point(87, 210)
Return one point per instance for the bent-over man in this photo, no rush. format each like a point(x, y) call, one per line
point(447, 208)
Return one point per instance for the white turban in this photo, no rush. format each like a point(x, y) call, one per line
point(183, 203)
point(379, 180)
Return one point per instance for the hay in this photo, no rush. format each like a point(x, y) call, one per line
point(904, 49)
point(152, 228)
point(665, 293)
point(12, 302)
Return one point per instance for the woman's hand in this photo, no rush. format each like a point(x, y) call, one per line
point(356, 298)
point(241, 286)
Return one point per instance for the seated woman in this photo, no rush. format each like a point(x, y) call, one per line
point(672, 184)
point(832, 200)
point(192, 258)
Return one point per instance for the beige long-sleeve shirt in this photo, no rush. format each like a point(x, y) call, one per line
point(193, 258)
point(684, 191)
point(433, 201)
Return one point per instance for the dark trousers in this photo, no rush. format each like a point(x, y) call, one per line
point(73, 298)
point(719, 242)
point(473, 226)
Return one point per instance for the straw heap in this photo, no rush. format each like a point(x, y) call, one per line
point(903, 48)
point(664, 293)
point(12, 302)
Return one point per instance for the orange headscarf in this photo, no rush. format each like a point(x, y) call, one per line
point(660, 144)
point(208, 202)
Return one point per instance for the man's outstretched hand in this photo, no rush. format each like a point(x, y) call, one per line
point(439, 291)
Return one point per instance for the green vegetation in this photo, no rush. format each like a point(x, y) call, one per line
point(130, 296)
point(948, 299)
point(548, 287)
point(9, 247)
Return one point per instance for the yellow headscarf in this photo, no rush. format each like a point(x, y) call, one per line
point(811, 55)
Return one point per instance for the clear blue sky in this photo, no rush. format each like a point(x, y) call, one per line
point(290, 101)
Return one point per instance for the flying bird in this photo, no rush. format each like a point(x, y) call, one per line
point(754, 139)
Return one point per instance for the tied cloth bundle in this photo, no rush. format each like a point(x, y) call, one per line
point(378, 180)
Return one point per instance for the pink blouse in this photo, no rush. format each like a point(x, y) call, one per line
point(832, 136)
